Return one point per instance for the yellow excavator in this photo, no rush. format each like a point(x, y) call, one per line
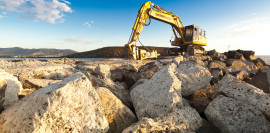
point(190, 38)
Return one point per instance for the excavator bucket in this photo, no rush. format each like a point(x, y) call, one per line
point(145, 54)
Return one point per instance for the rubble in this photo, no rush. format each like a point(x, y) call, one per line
point(212, 93)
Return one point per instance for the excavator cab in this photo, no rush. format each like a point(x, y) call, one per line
point(195, 36)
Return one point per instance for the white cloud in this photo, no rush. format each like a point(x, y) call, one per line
point(253, 14)
point(89, 24)
point(230, 26)
point(50, 11)
point(1, 16)
point(75, 40)
point(249, 34)
point(80, 40)
point(248, 27)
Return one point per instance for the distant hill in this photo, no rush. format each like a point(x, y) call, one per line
point(17, 51)
point(112, 52)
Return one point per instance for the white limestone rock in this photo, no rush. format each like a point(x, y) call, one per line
point(194, 77)
point(237, 89)
point(37, 69)
point(232, 116)
point(180, 121)
point(158, 95)
point(9, 88)
point(68, 106)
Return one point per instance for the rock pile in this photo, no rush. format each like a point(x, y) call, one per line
point(220, 92)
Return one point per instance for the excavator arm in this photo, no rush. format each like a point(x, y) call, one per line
point(152, 11)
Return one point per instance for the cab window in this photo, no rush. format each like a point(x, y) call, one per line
point(188, 34)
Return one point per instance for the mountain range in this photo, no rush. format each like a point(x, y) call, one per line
point(22, 52)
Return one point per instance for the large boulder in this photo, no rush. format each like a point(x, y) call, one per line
point(37, 69)
point(9, 89)
point(214, 55)
point(261, 80)
point(103, 70)
point(217, 64)
point(232, 116)
point(242, 75)
point(234, 55)
point(197, 60)
point(259, 63)
point(193, 77)
point(236, 63)
point(117, 114)
point(248, 55)
point(242, 64)
point(237, 89)
point(139, 82)
point(180, 121)
point(53, 109)
point(159, 95)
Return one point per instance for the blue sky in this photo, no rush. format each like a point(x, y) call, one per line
point(84, 25)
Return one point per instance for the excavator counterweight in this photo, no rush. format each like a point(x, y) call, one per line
point(189, 38)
